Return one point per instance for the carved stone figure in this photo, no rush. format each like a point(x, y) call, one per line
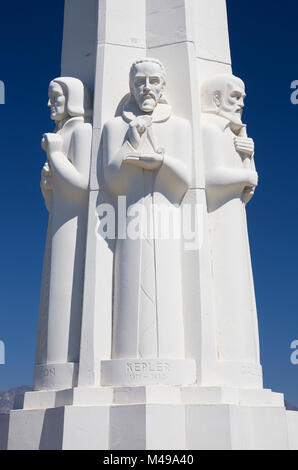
point(64, 185)
point(230, 182)
point(147, 157)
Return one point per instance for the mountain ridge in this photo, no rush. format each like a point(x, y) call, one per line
point(7, 397)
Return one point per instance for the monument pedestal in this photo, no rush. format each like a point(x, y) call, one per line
point(55, 376)
point(151, 418)
point(138, 372)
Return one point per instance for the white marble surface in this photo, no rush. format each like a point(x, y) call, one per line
point(64, 185)
point(230, 183)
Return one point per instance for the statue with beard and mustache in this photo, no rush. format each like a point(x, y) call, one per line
point(231, 180)
point(147, 159)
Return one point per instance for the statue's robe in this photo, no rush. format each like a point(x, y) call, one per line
point(148, 297)
point(63, 269)
point(236, 316)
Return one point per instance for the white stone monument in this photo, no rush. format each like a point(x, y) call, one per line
point(148, 339)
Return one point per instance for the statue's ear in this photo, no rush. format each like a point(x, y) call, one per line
point(217, 99)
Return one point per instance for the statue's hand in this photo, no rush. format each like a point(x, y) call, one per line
point(52, 143)
point(247, 194)
point(245, 145)
point(43, 144)
point(46, 177)
point(147, 162)
point(137, 129)
point(253, 178)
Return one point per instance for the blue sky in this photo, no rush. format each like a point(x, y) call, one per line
point(264, 37)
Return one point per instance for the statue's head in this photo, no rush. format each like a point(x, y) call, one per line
point(69, 97)
point(224, 95)
point(147, 81)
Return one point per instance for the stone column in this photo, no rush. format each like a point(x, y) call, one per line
point(116, 48)
point(193, 44)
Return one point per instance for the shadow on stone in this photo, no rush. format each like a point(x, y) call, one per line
point(52, 430)
point(4, 428)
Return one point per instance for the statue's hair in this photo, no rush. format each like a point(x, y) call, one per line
point(141, 61)
point(78, 97)
point(216, 85)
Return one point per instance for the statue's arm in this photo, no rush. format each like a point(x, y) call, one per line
point(174, 175)
point(216, 171)
point(113, 171)
point(177, 167)
point(74, 175)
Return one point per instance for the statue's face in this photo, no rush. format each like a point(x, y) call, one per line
point(148, 85)
point(232, 102)
point(57, 102)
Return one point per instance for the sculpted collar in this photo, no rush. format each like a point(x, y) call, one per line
point(161, 113)
point(70, 122)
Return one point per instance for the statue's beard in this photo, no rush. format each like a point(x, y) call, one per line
point(147, 104)
point(235, 117)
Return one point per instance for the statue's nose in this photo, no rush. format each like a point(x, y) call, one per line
point(147, 84)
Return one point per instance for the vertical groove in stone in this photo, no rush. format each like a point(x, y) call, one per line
point(147, 341)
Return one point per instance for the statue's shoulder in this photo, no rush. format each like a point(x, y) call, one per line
point(115, 122)
point(211, 125)
point(84, 125)
point(114, 126)
point(82, 128)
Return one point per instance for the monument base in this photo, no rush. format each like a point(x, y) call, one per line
point(55, 376)
point(141, 372)
point(151, 418)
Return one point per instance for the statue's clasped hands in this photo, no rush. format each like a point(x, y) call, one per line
point(249, 190)
point(51, 143)
point(46, 175)
point(245, 145)
point(139, 129)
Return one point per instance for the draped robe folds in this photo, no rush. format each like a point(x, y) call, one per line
point(63, 270)
point(236, 316)
point(148, 298)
